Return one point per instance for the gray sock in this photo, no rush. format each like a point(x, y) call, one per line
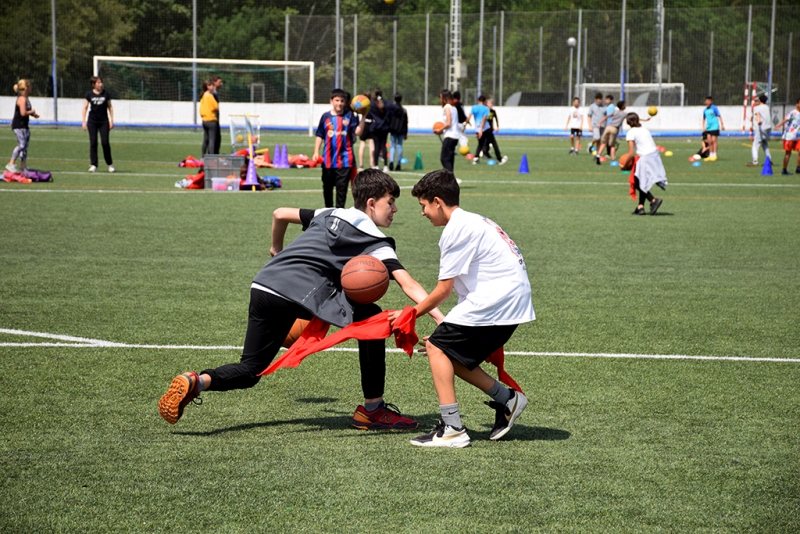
point(499, 393)
point(450, 415)
point(372, 406)
point(201, 384)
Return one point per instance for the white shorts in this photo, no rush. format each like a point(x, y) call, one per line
point(595, 133)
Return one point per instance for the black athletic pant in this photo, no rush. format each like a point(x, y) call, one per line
point(103, 128)
point(210, 138)
point(269, 322)
point(335, 178)
point(380, 148)
point(642, 195)
point(487, 139)
point(218, 139)
point(448, 156)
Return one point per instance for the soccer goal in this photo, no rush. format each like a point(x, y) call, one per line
point(166, 91)
point(636, 94)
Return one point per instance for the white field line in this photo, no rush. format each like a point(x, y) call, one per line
point(81, 342)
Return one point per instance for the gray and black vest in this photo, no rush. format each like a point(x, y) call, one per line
point(308, 271)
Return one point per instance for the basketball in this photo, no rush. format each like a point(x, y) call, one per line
point(365, 279)
point(463, 150)
point(652, 111)
point(360, 104)
point(295, 333)
point(625, 162)
point(438, 126)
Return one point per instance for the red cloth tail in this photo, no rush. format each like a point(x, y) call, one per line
point(498, 359)
point(632, 179)
point(404, 330)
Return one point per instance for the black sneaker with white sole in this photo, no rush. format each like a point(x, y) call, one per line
point(654, 205)
point(506, 414)
point(443, 436)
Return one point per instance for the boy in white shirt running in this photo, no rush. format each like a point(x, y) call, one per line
point(485, 268)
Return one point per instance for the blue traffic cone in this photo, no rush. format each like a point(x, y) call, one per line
point(523, 166)
point(767, 169)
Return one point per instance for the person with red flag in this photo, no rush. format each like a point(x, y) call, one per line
point(485, 268)
point(302, 281)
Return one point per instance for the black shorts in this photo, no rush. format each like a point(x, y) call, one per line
point(366, 131)
point(576, 132)
point(715, 133)
point(470, 345)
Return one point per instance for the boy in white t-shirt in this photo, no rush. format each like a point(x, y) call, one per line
point(575, 126)
point(761, 130)
point(485, 268)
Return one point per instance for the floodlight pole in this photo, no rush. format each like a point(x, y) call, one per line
point(338, 35)
point(286, 58)
point(569, 91)
point(771, 53)
point(749, 42)
point(427, 50)
point(789, 69)
point(502, 35)
point(194, 63)
point(355, 55)
point(480, 50)
point(55, 55)
point(578, 66)
point(394, 56)
point(622, 55)
point(710, 62)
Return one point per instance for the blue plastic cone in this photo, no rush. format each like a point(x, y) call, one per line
point(767, 169)
point(523, 166)
point(251, 180)
point(276, 157)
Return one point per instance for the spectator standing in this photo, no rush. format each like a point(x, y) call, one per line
point(379, 113)
point(762, 129)
point(23, 111)
point(712, 124)
point(209, 114)
point(398, 128)
point(450, 131)
point(100, 120)
point(335, 133)
point(217, 84)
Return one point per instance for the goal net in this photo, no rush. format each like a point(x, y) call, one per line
point(166, 91)
point(636, 94)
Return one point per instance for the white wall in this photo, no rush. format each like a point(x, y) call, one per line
point(540, 120)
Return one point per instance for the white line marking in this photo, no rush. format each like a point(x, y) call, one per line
point(82, 342)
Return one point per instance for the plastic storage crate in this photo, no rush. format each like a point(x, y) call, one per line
point(221, 166)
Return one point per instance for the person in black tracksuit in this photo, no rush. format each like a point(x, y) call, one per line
point(100, 119)
point(379, 113)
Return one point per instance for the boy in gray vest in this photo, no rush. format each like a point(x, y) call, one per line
point(303, 281)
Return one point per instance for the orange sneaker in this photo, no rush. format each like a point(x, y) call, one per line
point(183, 390)
point(385, 417)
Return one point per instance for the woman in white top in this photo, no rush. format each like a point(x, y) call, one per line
point(649, 170)
point(449, 131)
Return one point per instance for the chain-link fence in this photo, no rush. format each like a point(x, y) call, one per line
point(521, 53)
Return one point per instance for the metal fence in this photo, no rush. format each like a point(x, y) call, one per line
point(705, 49)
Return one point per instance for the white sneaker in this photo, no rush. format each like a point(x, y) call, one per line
point(11, 167)
point(458, 181)
point(505, 159)
point(385, 169)
point(476, 161)
point(111, 168)
point(506, 414)
point(92, 168)
point(443, 436)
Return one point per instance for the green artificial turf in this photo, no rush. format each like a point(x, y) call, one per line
point(608, 444)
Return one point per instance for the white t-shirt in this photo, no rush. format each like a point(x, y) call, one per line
point(491, 280)
point(643, 141)
point(766, 118)
point(575, 118)
point(451, 132)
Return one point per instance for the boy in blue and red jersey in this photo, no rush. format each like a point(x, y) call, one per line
point(337, 129)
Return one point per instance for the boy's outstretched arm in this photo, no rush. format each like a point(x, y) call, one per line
point(440, 293)
point(415, 292)
point(281, 218)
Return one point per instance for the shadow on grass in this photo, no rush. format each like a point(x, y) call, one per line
point(529, 433)
point(317, 400)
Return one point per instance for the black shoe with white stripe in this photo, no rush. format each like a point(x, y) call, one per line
point(506, 414)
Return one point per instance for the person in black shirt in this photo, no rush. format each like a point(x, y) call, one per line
point(22, 112)
point(398, 128)
point(379, 113)
point(100, 119)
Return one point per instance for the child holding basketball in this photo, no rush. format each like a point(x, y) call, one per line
point(450, 132)
point(791, 137)
point(649, 170)
point(485, 268)
point(303, 280)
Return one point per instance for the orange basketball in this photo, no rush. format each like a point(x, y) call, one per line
point(295, 333)
point(365, 279)
point(438, 126)
point(626, 162)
